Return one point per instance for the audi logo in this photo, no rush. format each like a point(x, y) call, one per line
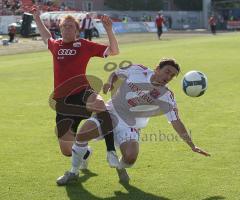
point(67, 52)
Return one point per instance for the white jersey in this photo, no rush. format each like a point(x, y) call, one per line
point(136, 100)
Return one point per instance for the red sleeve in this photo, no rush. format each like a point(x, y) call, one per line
point(96, 49)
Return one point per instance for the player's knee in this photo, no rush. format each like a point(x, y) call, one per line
point(82, 137)
point(130, 158)
point(66, 147)
point(100, 106)
point(130, 161)
point(95, 103)
point(88, 131)
point(66, 152)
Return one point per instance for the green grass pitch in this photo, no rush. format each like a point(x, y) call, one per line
point(30, 160)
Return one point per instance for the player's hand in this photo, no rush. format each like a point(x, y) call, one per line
point(107, 22)
point(200, 151)
point(107, 87)
point(35, 11)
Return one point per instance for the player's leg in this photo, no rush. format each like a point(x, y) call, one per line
point(85, 34)
point(90, 34)
point(11, 37)
point(129, 152)
point(158, 32)
point(71, 110)
point(66, 129)
point(66, 133)
point(214, 29)
point(65, 144)
point(69, 145)
point(96, 104)
point(80, 150)
point(127, 139)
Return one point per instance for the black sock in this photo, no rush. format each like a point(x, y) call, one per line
point(86, 155)
point(107, 129)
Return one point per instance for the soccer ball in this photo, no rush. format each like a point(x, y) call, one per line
point(194, 83)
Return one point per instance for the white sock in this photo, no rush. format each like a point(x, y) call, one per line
point(122, 164)
point(77, 156)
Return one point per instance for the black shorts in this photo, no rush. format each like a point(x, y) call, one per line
point(71, 110)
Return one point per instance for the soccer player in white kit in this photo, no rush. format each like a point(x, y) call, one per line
point(142, 94)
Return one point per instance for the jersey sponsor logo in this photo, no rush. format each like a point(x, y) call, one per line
point(142, 95)
point(67, 52)
point(155, 93)
point(145, 73)
point(132, 102)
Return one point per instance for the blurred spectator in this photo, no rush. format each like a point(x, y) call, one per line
point(146, 18)
point(125, 19)
point(11, 7)
point(231, 18)
point(221, 22)
point(170, 22)
point(159, 24)
point(149, 18)
point(212, 22)
point(87, 27)
point(11, 33)
point(54, 28)
point(18, 7)
point(62, 6)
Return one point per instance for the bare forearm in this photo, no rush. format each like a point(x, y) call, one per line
point(113, 44)
point(112, 78)
point(186, 137)
point(109, 85)
point(44, 32)
point(182, 132)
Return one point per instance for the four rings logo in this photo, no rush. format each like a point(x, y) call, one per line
point(67, 52)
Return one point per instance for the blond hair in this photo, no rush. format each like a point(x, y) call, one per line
point(69, 17)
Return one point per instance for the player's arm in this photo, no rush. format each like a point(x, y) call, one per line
point(114, 76)
point(113, 44)
point(44, 32)
point(182, 132)
point(109, 85)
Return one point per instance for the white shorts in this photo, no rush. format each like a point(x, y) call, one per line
point(122, 132)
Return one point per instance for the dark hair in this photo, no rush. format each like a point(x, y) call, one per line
point(169, 61)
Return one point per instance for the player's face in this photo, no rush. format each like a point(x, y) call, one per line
point(164, 75)
point(68, 30)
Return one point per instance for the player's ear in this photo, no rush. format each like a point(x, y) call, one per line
point(157, 69)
